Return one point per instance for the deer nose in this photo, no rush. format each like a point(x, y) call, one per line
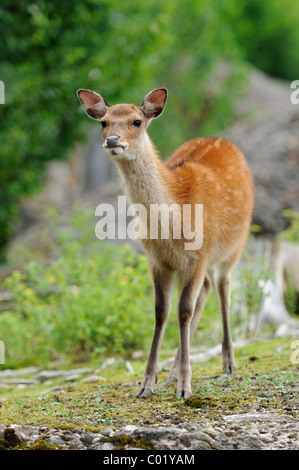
point(112, 140)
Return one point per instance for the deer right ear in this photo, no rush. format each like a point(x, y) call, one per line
point(94, 105)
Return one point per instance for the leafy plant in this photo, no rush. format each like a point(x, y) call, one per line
point(291, 233)
point(96, 299)
point(247, 297)
point(77, 305)
point(49, 50)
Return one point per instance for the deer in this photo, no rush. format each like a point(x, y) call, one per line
point(210, 171)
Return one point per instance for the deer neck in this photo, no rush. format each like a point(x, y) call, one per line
point(144, 177)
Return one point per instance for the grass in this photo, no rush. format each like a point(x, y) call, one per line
point(80, 305)
point(266, 381)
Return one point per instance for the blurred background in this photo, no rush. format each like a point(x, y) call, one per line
point(228, 67)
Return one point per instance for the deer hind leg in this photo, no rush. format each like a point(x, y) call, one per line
point(223, 290)
point(163, 283)
point(200, 304)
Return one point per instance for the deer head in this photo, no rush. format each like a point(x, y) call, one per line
point(123, 125)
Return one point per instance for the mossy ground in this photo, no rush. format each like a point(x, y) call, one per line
point(266, 380)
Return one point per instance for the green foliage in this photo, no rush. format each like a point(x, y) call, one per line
point(78, 305)
point(291, 299)
point(49, 50)
point(291, 233)
point(252, 278)
point(204, 71)
point(199, 50)
point(267, 33)
point(96, 299)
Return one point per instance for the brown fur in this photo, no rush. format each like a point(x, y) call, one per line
point(207, 171)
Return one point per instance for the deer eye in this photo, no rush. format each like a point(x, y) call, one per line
point(137, 123)
point(103, 124)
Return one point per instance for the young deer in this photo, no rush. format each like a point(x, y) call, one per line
point(207, 171)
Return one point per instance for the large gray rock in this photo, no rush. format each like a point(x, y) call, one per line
point(267, 132)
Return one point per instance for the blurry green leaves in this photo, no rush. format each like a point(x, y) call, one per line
point(198, 49)
point(291, 233)
point(96, 298)
point(204, 72)
point(50, 49)
point(78, 305)
point(267, 33)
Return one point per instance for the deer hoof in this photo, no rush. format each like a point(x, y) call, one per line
point(170, 379)
point(144, 393)
point(181, 393)
point(229, 368)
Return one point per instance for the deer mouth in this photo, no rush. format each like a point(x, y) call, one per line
point(115, 149)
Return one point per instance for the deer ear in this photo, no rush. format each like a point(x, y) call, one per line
point(154, 103)
point(94, 105)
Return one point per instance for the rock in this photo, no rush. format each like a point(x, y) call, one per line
point(107, 432)
point(107, 446)
point(249, 431)
point(204, 356)
point(96, 444)
point(129, 367)
point(55, 441)
point(267, 133)
point(200, 436)
point(26, 429)
point(201, 445)
point(155, 433)
point(273, 417)
point(2, 428)
point(19, 382)
point(14, 436)
point(44, 375)
point(17, 372)
point(90, 438)
point(130, 428)
point(212, 432)
point(94, 378)
point(107, 363)
point(266, 438)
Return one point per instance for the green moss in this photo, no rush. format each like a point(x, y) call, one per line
point(42, 445)
point(267, 384)
point(4, 445)
point(144, 444)
point(15, 444)
point(11, 437)
point(121, 442)
point(199, 402)
point(124, 440)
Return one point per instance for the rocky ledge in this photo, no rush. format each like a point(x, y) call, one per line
point(248, 431)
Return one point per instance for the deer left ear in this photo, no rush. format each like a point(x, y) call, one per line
point(94, 105)
point(154, 103)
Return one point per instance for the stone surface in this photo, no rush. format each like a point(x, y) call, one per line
point(248, 431)
point(267, 133)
